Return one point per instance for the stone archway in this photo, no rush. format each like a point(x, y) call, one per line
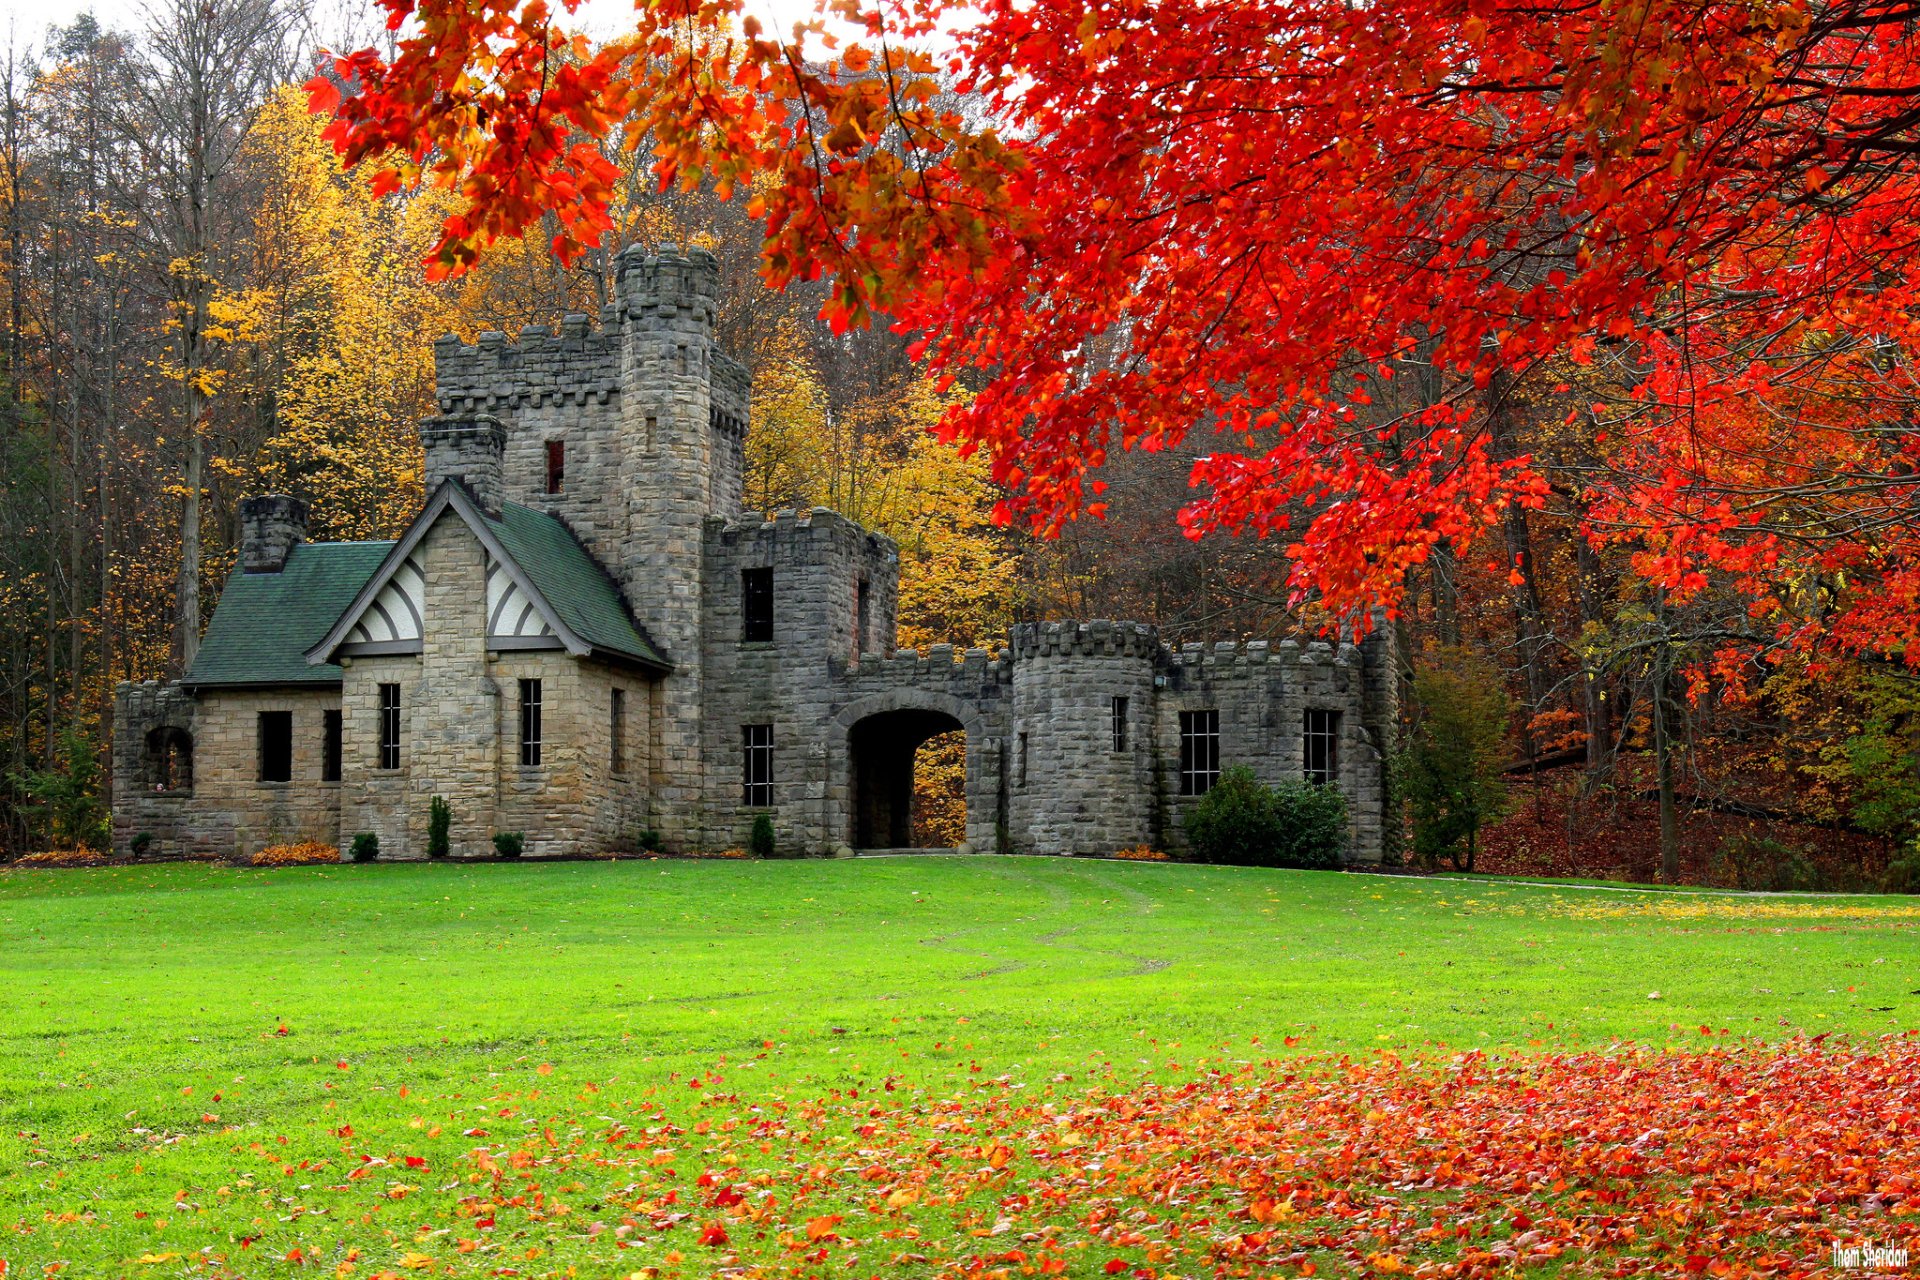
point(875, 741)
point(882, 751)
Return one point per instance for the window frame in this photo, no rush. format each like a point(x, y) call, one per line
point(532, 722)
point(387, 758)
point(862, 615)
point(1320, 746)
point(1199, 751)
point(330, 742)
point(1122, 715)
point(756, 766)
point(556, 466)
point(756, 604)
point(284, 745)
point(617, 730)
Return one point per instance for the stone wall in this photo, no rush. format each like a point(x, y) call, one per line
point(226, 772)
point(179, 826)
point(818, 559)
point(1072, 789)
point(1263, 693)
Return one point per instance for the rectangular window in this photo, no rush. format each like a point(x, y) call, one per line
point(1020, 762)
point(330, 747)
point(757, 793)
point(617, 726)
point(1321, 741)
point(1199, 752)
point(756, 604)
point(862, 616)
point(530, 722)
point(556, 465)
point(1119, 724)
point(276, 746)
point(389, 726)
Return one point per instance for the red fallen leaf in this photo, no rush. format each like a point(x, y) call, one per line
point(1115, 1266)
point(822, 1227)
point(281, 1030)
point(344, 1131)
point(342, 1064)
point(1696, 1263)
point(416, 1162)
point(295, 1256)
point(545, 1068)
point(713, 1235)
point(207, 1117)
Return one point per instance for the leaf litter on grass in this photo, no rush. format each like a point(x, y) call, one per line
point(1735, 1159)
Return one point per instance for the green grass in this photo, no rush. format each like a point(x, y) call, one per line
point(135, 1003)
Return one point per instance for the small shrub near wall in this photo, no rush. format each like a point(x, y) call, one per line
point(439, 825)
point(1244, 822)
point(366, 847)
point(760, 841)
point(308, 853)
point(509, 844)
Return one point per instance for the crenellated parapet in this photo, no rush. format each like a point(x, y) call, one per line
point(936, 666)
point(809, 532)
point(1086, 639)
point(575, 363)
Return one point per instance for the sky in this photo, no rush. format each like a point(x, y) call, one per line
point(23, 22)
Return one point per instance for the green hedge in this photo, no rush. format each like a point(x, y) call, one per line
point(1244, 822)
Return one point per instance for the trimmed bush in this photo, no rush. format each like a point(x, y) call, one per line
point(139, 845)
point(508, 844)
point(760, 841)
point(1243, 822)
point(365, 847)
point(648, 841)
point(439, 823)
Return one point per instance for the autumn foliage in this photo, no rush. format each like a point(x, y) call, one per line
point(1735, 1160)
point(1347, 236)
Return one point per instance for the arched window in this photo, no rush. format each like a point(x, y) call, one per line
point(170, 759)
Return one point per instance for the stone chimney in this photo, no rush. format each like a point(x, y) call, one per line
point(270, 528)
point(468, 449)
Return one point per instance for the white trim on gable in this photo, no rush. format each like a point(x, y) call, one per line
point(395, 615)
point(451, 495)
point(510, 613)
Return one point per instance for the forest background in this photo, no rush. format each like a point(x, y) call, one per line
point(201, 305)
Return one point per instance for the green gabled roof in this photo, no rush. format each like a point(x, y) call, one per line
point(571, 582)
point(265, 622)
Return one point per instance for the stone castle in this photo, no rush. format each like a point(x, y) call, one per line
point(582, 637)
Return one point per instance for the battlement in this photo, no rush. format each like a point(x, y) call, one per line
point(818, 527)
point(579, 362)
point(667, 281)
point(1085, 639)
point(939, 664)
point(1260, 653)
point(573, 364)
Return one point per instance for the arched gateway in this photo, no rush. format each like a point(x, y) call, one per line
point(879, 739)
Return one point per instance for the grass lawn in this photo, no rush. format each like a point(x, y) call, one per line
point(806, 1068)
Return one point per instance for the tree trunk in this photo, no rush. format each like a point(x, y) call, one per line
point(1663, 766)
point(1529, 628)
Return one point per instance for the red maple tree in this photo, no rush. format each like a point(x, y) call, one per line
point(1339, 235)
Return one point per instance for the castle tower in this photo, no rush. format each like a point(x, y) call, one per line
point(1080, 776)
point(667, 303)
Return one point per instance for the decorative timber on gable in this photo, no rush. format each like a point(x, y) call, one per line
point(514, 621)
point(392, 622)
point(388, 615)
